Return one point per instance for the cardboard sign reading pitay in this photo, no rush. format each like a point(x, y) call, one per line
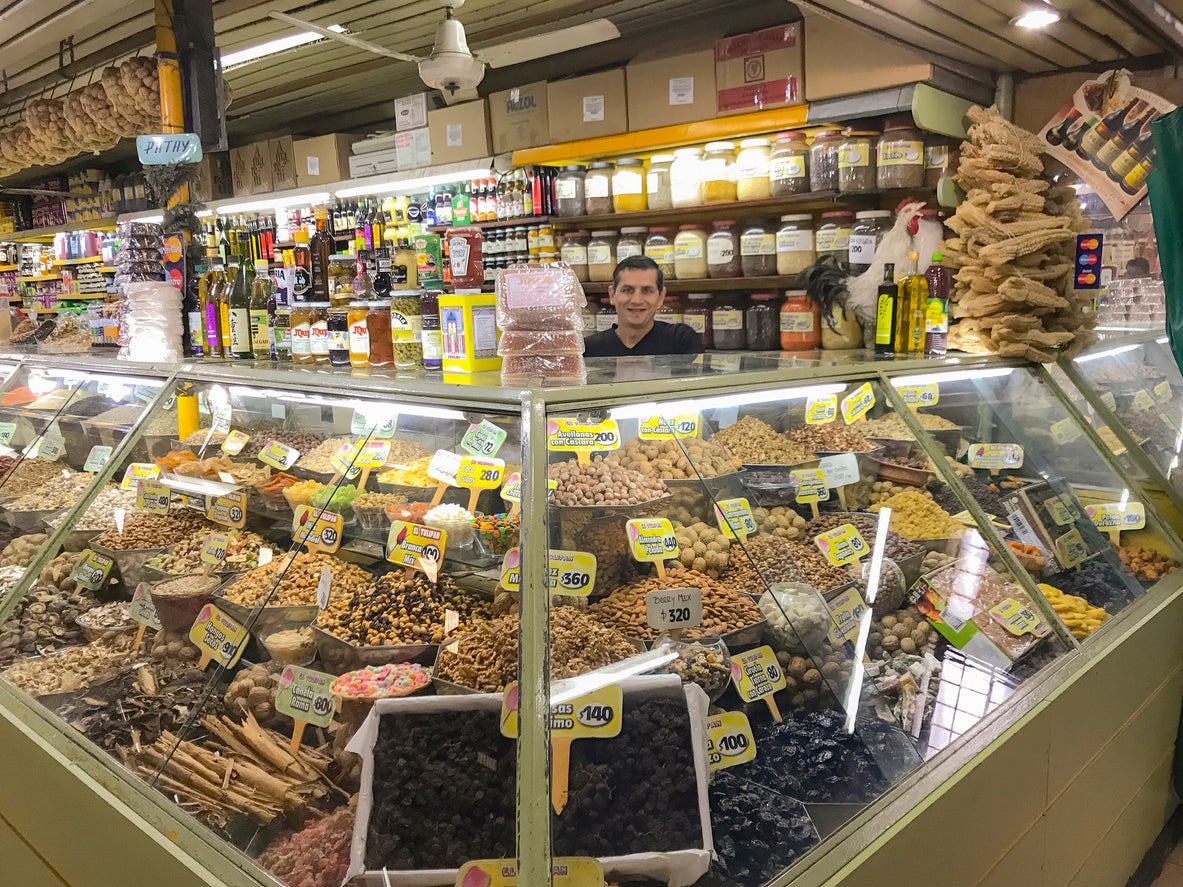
point(1102, 133)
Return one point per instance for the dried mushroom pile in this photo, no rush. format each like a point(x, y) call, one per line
point(1013, 245)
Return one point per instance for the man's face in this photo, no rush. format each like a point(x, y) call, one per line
point(636, 298)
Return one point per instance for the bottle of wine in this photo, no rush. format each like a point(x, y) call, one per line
point(885, 312)
point(1121, 139)
point(240, 314)
point(1094, 140)
point(1055, 136)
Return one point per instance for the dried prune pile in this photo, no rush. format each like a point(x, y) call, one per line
point(636, 793)
point(811, 757)
point(758, 833)
point(1098, 583)
point(444, 791)
point(986, 497)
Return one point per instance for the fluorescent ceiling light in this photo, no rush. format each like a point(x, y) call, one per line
point(275, 203)
point(1036, 18)
point(412, 184)
point(271, 47)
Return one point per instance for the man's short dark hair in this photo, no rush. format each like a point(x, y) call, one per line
point(1138, 263)
point(637, 263)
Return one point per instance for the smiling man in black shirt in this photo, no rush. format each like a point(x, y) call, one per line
point(637, 291)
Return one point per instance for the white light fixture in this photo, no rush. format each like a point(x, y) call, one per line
point(275, 203)
point(271, 47)
point(412, 183)
point(1036, 17)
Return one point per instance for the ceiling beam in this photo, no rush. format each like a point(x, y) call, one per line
point(1167, 26)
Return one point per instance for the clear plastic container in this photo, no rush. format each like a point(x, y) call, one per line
point(832, 237)
point(856, 161)
point(788, 165)
point(763, 323)
point(685, 178)
point(900, 158)
point(823, 160)
point(865, 237)
point(657, 182)
point(601, 253)
point(751, 170)
point(569, 192)
point(718, 173)
point(597, 188)
point(697, 316)
point(727, 323)
point(800, 322)
point(631, 242)
point(940, 159)
point(606, 317)
point(574, 253)
point(628, 185)
point(671, 309)
point(723, 251)
point(794, 244)
point(659, 246)
point(690, 253)
point(757, 249)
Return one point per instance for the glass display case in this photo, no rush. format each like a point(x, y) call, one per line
point(660, 628)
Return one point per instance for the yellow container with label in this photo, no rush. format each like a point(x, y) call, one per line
point(468, 325)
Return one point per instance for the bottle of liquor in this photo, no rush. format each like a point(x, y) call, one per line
point(528, 193)
point(224, 250)
point(462, 205)
point(1132, 155)
point(1094, 140)
point(911, 308)
point(240, 313)
point(1075, 135)
point(1055, 136)
point(1135, 180)
point(301, 272)
point(322, 251)
point(885, 312)
point(225, 287)
point(261, 305)
point(191, 313)
point(211, 316)
point(936, 321)
point(1123, 138)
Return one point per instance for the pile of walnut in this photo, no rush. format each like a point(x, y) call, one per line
point(1013, 250)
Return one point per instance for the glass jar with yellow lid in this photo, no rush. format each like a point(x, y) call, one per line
point(856, 161)
point(718, 173)
point(628, 186)
point(751, 170)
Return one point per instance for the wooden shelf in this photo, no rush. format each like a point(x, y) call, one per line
point(39, 278)
point(813, 200)
point(89, 260)
point(715, 285)
point(4, 268)
point(46, 234)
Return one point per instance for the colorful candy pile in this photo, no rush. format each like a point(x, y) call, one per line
point(382, 681)
point(497, 531)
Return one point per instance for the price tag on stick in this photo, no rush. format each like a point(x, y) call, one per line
point(652, 540)
point(1114, 517)
point(735, 519)
point(91, 570)
point(143, 611)
point(218, 637)
point(840, 471)
point(407, 545)
point(305, 698)
point(811, 488)
point(729, 740)
point(757, 675)
point(674, 610)
point(582, 438)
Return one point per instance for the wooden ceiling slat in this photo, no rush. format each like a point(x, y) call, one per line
point(1111, 21)
point(1068, 31)
point(1041, 43)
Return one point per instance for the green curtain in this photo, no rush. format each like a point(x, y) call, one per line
point(1165, 184)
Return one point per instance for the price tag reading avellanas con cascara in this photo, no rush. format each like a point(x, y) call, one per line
point(569, 435)
point(729, 740)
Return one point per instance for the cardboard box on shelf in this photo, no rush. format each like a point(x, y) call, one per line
point(586, 107)
point(519, 117)
point(240, 170)
point(214, 180)
point(324, 159)
point(760, 70)
point(283, 163)
point(412, 149)
point(667, 87)
point(460, 132)
point(843, 60)
point(410, 111)
point(259, 169)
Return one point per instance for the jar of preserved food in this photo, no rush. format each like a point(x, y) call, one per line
point(757, 249)
point(301, 326)
point(406, 330)
point(718, 173)
point(597, 188)
point(606, 318)
point(601, 250)
point(690, 253)
point(574, 253)
point(794, 244)
point(590, 310)
point(751, 170)
point(628, 185)
point(671, 309)
point(823, 160)
point(847, 332)
point(357, 318)
point(532, 246)
point(631, 242)
point(569, 193)
point(338, 329)
point(697, 316)
point(659, 246)
point(727, 323)
point(546, 257)
point(899, 161)
point(865, 237)
point(546, 237)
point(723, 251)
point(657, 182)
point(833, 235)
point(318, 332)
point(800, 322)
point(342, 270)
point(788, 165)
point(856, 161)
point(763, 326)
point(685, 178)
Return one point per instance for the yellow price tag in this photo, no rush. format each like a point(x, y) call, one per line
point(821, 410)
point(1014, 617)
point(995, 456)
point(756, 674)
point(1163, 392)
point(846, 612)
point(213, 548)
point(408, 544)
point(478, 473)
point(228, 510)
point(811, 485)
point(734, 517)
point(571, 435)
point(566, 871)
point(729, 740)
point(669, 427)
point(1116, 447)
point(1070, 549)
point(917, 396)
point(1065, 431)
point(139, 471)
point(1061, 512)
point(594, 715)
point(234, 442)
point(651, 539)
point(1115, 516)
point(218, 637)
point(152, 496)
point(317, 530)
point(1143, 400)
point(278, 456)
point(568, 572)
point(858, 403)
point(842, 545)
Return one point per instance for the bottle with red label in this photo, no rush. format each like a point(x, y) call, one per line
point(466, 258)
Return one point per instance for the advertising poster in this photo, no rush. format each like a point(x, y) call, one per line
point(1102, 133)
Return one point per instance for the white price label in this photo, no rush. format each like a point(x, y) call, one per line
point(674, 608)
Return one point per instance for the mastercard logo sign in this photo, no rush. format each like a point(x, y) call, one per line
point(1089, 243)
point(1086, 278)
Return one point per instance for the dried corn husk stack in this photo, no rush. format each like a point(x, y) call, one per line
point(1013, 249)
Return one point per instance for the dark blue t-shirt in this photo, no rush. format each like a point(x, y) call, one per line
point(664, 338)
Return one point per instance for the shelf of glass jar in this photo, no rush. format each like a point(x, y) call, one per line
point(711, 285)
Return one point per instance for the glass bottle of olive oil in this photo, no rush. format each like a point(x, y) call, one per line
point(910, 311)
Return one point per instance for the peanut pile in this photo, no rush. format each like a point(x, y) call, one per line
point(832, 438)
point(153, 530)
